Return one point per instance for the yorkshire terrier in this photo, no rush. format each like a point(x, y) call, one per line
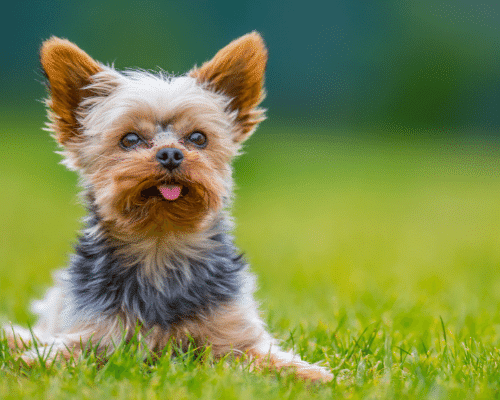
point(156, 256)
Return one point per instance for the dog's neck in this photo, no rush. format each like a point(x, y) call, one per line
point(159, 284)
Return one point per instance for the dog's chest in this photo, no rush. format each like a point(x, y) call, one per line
point(101, 285)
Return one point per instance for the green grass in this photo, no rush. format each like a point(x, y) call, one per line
point(380, 257)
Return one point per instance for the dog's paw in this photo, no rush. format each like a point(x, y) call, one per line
point(313, 373)
point(18, 338)
point(277, 359)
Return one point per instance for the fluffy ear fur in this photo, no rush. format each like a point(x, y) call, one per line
point(238, 71)
point(68, 70)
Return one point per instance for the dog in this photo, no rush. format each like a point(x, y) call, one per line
point(156, 256)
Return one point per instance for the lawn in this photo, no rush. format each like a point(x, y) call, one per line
point(377, 256)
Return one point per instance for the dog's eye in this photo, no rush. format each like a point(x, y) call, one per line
point(198, 139)
point(130, 140)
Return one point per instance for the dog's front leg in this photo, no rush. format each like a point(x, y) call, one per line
point(237, 328)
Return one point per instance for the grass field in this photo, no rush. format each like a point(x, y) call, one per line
point(378, 257)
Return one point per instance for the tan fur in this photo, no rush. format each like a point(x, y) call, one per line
point(238, 71)
point(181, 108)
point(156, 252)
point(16, 342)
point(92, 108)
point(68, 70)
point(233, 328)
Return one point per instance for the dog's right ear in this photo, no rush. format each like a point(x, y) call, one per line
point(68, 70)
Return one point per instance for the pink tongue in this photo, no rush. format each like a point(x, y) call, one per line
point(170, 192)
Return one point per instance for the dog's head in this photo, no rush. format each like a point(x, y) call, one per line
point(154, 151)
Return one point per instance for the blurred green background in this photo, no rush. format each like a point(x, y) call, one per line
point(393, 65)
point(376, 176)
point(369, 199)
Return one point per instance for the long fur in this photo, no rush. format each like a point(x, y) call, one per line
point(103, 282)
point(168, 267)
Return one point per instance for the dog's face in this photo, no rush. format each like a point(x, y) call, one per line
point(154, 151)
point(157, 152)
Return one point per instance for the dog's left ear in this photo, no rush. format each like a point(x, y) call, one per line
point(237, 71)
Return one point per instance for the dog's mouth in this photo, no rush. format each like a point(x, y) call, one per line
point(171, 191)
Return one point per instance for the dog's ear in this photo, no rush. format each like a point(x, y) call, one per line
point(237, 71)
point(68, 70)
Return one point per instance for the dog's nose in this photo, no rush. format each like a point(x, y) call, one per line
point(170, 158)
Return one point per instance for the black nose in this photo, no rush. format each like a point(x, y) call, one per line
point(170, 158)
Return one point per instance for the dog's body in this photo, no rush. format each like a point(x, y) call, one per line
point(154, 156)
